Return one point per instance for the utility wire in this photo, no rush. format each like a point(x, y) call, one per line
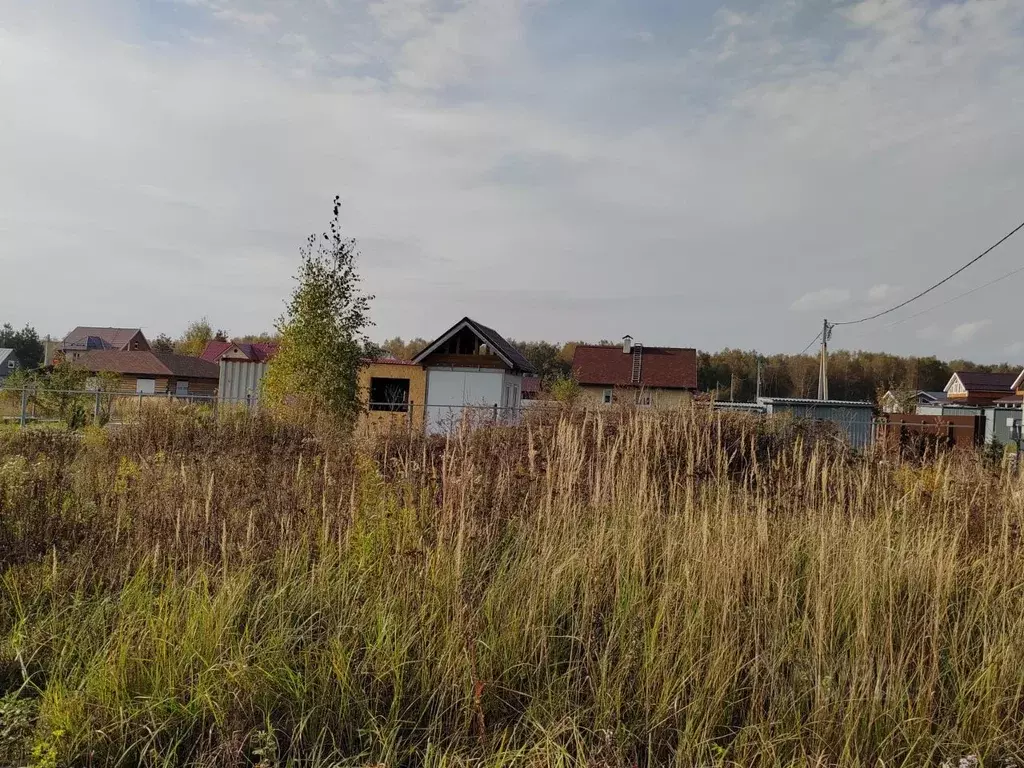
point(813, 342)
point(957, 297)
point(945, 280)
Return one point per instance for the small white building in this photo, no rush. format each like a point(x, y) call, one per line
point(473, 375)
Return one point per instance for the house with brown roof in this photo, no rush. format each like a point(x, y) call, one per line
point(633, 374)
point(154, 373)
point(979, 387)
point(90, 338)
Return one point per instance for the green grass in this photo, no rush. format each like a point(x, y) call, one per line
point(637, 590)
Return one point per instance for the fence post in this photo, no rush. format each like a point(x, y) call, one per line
point(408, 414)
point(24, 407)
point(96, 409)
point(494, 414)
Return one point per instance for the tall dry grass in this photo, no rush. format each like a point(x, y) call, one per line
point(636, 589)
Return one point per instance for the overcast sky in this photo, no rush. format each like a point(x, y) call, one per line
point(692, 173)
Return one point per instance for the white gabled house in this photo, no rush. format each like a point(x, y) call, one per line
point(473, 373)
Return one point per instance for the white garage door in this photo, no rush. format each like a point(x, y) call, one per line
point(449, 392)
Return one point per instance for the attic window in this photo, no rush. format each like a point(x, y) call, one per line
point(465, 342)
point(389, 394)
point(11, 364)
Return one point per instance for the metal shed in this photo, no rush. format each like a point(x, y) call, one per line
point(1002, 423)
point(856, 418)
point(240, 381)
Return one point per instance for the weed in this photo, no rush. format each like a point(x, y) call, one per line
point(602, 589)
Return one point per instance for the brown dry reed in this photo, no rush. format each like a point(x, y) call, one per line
point(620, 589)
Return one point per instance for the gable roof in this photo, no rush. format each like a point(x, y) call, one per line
point(214, 349)
point(256, 351)
point(512, 357)
point(89, 337)
point(661, 367)
point(137, 363)
point(6, 352)
point(922, 394)
point(1018, 383)
point(979, 381)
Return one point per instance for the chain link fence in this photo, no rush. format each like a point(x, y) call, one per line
point(79, 407)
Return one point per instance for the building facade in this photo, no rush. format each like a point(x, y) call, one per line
point(473, 374)
point(635, 375)
point(153, 373)
point(393, 392)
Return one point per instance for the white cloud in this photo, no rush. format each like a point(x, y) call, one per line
point(471, 39)
point(826, 298)
point(883, 292)
point(246, 18)
point(522, 160)
point(966, 332)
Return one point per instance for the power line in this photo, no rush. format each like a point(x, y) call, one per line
point(813, 342)
point(945, 303)
point(957, 297)
point(945, 280)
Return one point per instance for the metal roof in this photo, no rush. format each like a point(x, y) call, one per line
point(498, 344)
point(822, 403)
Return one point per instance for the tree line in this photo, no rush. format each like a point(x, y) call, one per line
point(731, 374)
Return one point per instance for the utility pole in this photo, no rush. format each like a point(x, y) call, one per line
point(826, 331)
point(758, 398)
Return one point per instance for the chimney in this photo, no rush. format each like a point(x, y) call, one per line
point(627, 344)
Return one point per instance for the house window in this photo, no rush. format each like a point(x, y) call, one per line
point(145, 386)
point(11, 364)
point(389, 394)
point(643, 398)
point(608, 397)
point(181, 388)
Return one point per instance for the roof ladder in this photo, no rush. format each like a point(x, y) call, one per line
point(638, 359)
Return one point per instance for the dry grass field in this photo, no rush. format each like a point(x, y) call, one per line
point(620, 590)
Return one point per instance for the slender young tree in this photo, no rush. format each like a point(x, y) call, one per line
point(323, 330)
point(197, 335)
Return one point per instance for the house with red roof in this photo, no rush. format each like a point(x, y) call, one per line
point(250, 352)
point(242, 366)
point(632, 374)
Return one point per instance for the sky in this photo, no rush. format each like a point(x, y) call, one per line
point(690, 173)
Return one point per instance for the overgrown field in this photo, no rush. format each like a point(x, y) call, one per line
point(635, 589)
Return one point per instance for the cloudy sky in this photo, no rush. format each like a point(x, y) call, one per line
point(691, 173)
